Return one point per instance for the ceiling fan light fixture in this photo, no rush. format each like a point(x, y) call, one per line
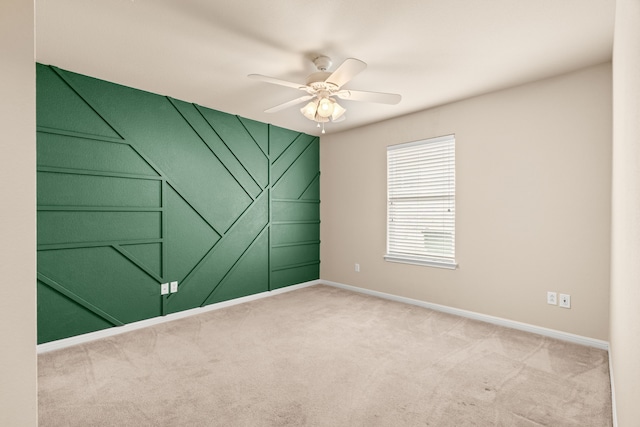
point(323, 110)
point(309, 110)
point(325, 107)
point(338, 111)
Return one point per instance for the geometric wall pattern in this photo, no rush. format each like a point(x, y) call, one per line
point(137, 189)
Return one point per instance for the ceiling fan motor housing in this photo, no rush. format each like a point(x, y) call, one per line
point(317, 81)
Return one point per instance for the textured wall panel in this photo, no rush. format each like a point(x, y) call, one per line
point(79, 226)
point(61, 189)
point(137, 189)
point(84, 154)
point(295, 213)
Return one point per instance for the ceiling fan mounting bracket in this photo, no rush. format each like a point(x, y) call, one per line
point(322, 63)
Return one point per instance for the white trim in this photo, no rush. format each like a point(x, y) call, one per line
point(614, 408)
point(435, 139)
point(104, 333)
point(451, 265)
point(552, 333)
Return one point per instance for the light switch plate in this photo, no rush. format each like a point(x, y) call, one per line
point(164, 289)
point(564, 301)
point(174, 287)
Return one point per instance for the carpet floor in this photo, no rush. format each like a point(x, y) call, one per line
point(322, 356)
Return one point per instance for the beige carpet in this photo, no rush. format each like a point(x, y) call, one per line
point(322, 356)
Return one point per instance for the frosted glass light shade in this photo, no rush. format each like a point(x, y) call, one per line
point(325, 107)
point(309, 110)
point(323, 110)
point(338, 111)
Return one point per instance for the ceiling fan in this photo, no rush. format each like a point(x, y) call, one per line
point(321, 88)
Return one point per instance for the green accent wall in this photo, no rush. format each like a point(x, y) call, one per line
point(137, 189)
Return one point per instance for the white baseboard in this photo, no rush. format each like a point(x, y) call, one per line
point(104, 333)
point(552, 333)
point(565, 336)
point(614, 410)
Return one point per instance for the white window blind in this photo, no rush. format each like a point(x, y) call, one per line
point(421, 202)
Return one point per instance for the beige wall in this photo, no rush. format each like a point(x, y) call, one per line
point(533, 203)
point(18, 394)
point(625, 236)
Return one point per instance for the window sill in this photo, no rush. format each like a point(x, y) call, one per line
point(426, 262)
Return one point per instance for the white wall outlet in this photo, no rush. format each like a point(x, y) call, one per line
point(174, 287)
point(565, 301)
point(552, 298)
point(164, 289)
point(357, 268)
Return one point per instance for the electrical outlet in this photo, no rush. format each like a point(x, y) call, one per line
point(164, 289)
point(552, 298)
point(174, 287)
point(565, 301)
point(357, 268)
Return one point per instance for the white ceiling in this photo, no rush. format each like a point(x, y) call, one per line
point(430, 51)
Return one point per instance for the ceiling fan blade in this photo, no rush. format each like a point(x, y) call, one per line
point(275, 81)
point(289, 104)
point(346, 71)
point(360, 95)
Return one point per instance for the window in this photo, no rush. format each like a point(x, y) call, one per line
point(421, 202)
